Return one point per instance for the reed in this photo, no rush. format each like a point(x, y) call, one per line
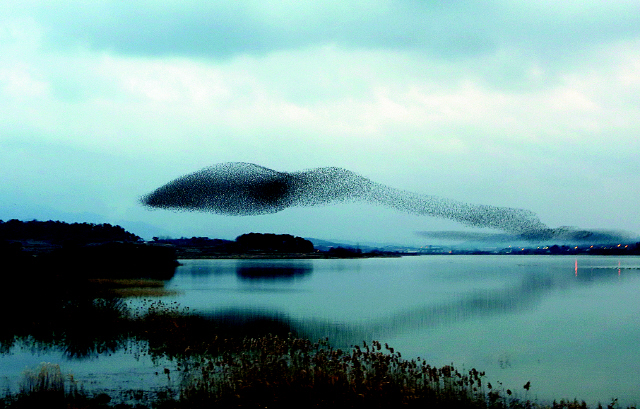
point(46, 387)
point(291, 372)
point(43, 386)
point(45, 379)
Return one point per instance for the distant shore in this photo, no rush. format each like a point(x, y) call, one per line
point(85, 250)
point(282, 256)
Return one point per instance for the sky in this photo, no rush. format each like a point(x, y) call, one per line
point(531, 105)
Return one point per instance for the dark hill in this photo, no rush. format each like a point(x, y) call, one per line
point(59, 250)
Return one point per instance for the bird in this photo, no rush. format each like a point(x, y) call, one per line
point(247, 189)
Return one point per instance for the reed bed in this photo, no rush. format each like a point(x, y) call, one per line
point(291, 372)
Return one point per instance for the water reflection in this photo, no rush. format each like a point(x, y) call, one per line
point(249, 269)
point(79, 327)
point(523, 294)
point(283, 270)
point(88, 328)
point(477, 304)
point(251, 323)
point(591, 274)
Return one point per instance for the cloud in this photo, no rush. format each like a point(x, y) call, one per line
point(226, 29)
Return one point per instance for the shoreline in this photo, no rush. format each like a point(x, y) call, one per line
point(277, 256)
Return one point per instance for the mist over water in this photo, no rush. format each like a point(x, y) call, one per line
point(246, 189)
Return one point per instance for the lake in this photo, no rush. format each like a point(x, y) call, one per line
point(569, 325)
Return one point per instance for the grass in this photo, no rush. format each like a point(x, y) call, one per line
point(129, 287)
point(44, 386)
point(284, 372)
point(291, 372)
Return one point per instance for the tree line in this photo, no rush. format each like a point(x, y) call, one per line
point(57, 232)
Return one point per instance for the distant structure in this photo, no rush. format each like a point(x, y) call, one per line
point(242, 189)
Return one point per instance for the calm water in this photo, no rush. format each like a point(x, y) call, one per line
point(569, 325)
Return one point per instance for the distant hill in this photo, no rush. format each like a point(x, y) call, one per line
point(326, 245)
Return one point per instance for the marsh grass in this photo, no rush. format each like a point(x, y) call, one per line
point(44, 386)
point(129, 287)
point(288, 372)
point(291, 372)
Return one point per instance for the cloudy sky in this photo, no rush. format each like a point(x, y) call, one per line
point(530, 105)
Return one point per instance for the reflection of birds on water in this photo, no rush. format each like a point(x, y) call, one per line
point(526, 293)
point(240, 189)
point(474, 305)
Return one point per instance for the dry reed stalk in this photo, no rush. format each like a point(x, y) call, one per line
point(46, 378)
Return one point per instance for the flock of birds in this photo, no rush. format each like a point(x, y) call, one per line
point(242, 189)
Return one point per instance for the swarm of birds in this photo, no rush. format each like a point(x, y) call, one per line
point(243, 189)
